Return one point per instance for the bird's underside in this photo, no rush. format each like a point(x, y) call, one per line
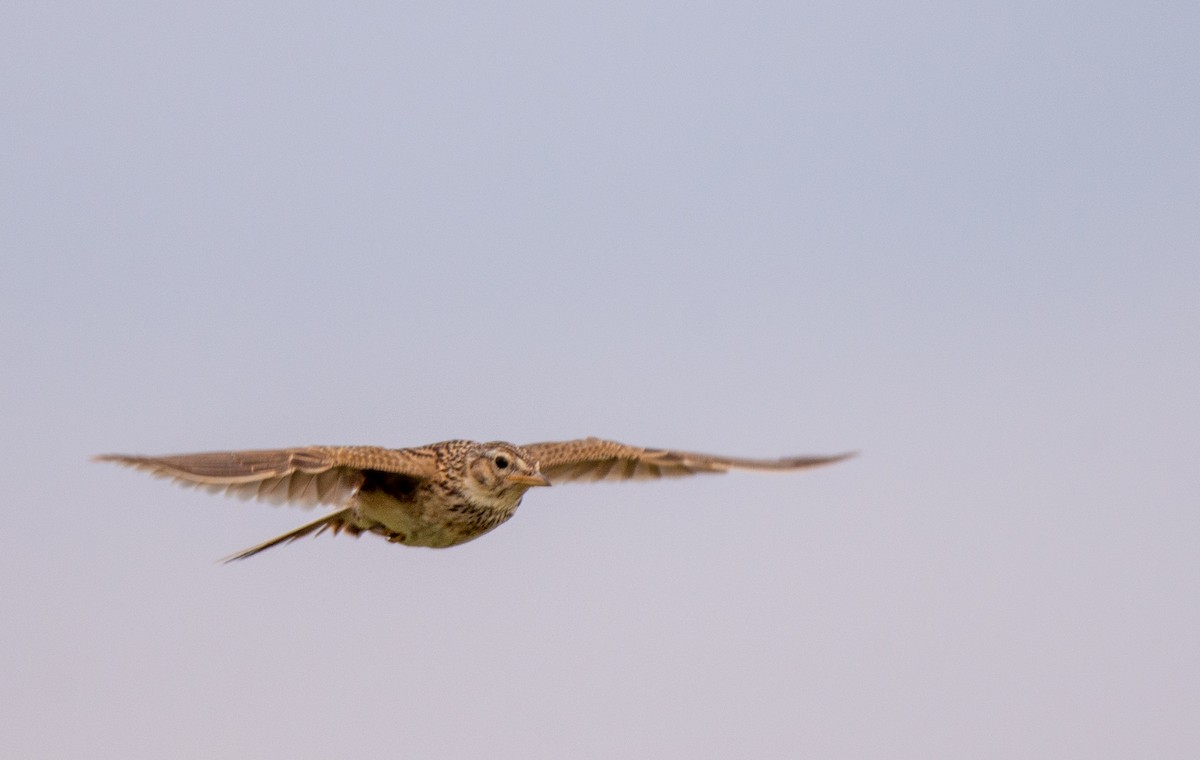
point(437, 495)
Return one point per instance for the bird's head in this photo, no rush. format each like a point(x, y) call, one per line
point(501, 471)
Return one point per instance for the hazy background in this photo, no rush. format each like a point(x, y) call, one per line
point(961, 238)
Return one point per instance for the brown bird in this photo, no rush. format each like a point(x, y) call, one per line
point(438, 495)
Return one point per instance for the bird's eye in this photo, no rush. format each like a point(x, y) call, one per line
point(502, 462)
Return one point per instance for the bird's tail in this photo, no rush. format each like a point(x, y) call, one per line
point(335, 521)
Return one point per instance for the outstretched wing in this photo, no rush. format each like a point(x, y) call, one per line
point(306, 476)
point(596, 459)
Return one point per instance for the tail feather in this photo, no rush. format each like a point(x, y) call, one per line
point(336, 522)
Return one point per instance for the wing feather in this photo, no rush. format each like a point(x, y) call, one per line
point(596, 459)
point(305, 476)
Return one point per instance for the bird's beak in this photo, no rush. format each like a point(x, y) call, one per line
point(535, 479)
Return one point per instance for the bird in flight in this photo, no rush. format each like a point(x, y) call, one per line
point(438, 495)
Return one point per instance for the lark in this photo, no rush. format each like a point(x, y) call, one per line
point(439, 495)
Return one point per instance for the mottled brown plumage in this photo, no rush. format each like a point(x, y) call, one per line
point(438, 495)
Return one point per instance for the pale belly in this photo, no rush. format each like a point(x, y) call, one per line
point(426, 521)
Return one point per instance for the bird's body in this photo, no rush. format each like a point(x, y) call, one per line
point(438, 495)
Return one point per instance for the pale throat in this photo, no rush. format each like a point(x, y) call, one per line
point(506, 499)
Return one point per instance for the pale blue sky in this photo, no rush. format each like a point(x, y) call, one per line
point(963, 239)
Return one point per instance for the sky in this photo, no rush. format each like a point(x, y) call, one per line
point(960, 239)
